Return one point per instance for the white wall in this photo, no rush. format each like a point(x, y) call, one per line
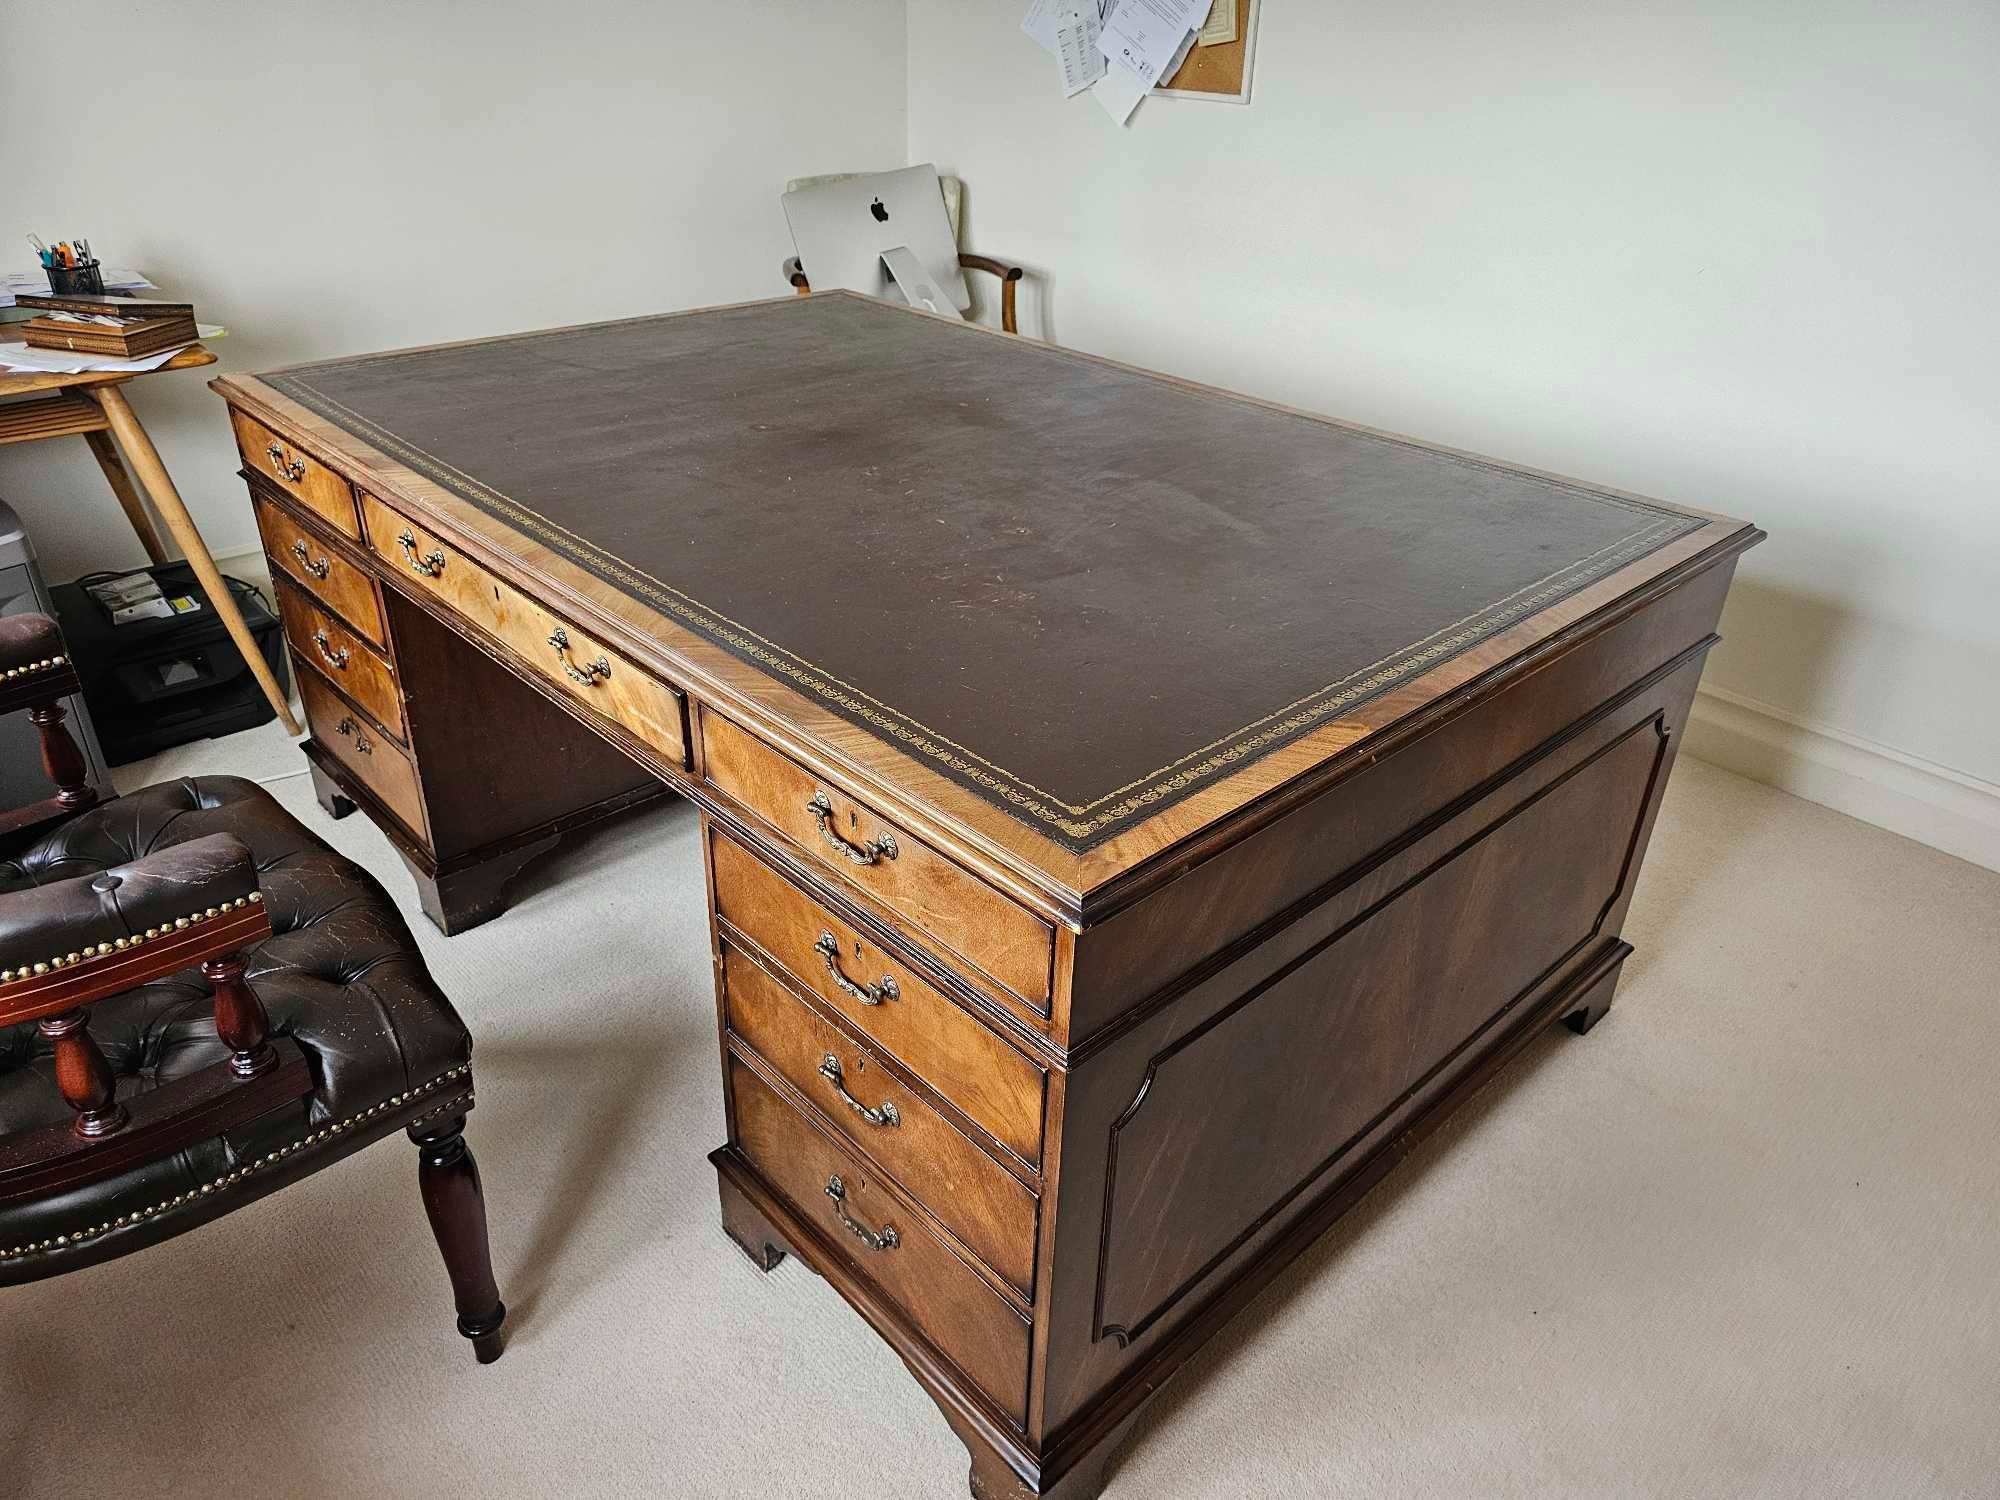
point(1739, 255)
point(1745, 256)
point(334, 178)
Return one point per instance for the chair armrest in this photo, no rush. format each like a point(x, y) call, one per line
point(1009, 276)
point(990, 266)
point(29, 643)
point(68, 943)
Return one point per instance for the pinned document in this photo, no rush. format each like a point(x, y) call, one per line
point(1040, 22)
point(1119, 91)
point(1077, 50)
point(1147, 37)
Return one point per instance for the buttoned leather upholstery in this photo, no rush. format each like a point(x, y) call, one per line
point(64, 920)
point(340, 975)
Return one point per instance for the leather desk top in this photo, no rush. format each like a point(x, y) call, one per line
point(1081, 591)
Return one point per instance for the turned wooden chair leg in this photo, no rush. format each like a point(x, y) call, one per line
point(448, 1179)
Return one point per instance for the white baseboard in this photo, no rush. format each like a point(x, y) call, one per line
point(1903, 793)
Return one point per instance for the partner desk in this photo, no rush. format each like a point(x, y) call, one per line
point(1133, 814)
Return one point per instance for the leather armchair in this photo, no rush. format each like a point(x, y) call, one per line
point(201, 1003)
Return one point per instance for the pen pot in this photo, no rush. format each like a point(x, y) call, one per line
point(84, 279)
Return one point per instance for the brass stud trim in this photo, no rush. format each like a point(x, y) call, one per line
point(124, 944)
point(229, 1179)
point(47, 663)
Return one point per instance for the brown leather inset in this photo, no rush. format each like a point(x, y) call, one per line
point(1081, 591)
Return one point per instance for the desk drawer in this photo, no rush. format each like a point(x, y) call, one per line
point(989, 1209)
point(328, 577)
point(374, 760)
point(589, 671)
point(998, 1088)
point(300, 476)
point(843, 835)
point(343, 658)
point(943, 1296)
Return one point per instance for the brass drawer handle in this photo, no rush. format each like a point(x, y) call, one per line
point(427, 567)
point(318, 569)
point(293, 469)
point(882, 846)
point(885, 1114)
point(586, 674)
point(347, 727)
point(337, 659)
point(888, 1239)
point(828, 948)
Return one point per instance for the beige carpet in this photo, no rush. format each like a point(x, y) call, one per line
point(1742, 1240)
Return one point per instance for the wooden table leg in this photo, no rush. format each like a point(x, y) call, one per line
point(167, 500)
point(129, 500)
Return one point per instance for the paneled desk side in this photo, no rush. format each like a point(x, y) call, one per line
point(1045, 1118)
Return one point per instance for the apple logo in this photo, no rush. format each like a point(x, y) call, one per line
point(881, 213)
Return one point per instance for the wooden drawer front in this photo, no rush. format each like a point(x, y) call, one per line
point(942, 1295)
point(997, 1087)
point(300, 476)
point(990, 1210)
point(651, 709)
point(945, 903)
point(313, 566)
point(359, 746)
point(343, 658)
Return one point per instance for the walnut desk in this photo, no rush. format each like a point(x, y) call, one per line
point(1133, 814)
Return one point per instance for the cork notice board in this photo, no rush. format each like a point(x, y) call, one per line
point(1221, 71)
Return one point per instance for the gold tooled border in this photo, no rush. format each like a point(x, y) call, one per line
point(1086, 823)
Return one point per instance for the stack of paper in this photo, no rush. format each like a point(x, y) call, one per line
point(1118, 49)
point(37, 283)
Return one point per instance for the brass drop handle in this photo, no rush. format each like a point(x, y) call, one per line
point(882, 846)
point(887, 1239)
point(293, 469)
point(317, 569)
point(428, 566)
point(347, 727)
point(337, 659)
point(828, 948)
point(884, 1114)
point(586, 674)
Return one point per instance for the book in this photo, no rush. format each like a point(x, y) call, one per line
point(111, 307)
point(128, 327)
point(114, 307)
